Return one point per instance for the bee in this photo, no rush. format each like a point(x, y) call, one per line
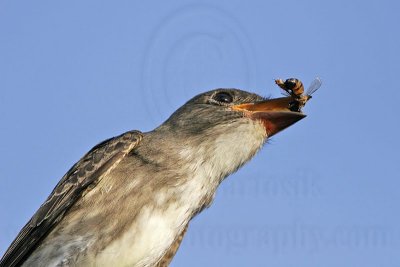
point(294, 88)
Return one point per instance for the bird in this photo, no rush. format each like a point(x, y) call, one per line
point(130, 199)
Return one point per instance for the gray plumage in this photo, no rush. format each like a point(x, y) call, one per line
point(129, 200)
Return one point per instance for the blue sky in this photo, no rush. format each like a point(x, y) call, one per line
point(322, 193)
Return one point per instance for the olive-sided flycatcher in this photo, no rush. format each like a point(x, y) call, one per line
point(129, 200)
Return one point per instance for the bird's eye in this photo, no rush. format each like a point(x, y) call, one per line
point(223, 97)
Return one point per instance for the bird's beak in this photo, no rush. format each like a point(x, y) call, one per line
point(275, 113)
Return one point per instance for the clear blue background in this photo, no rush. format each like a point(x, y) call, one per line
point(323, 193)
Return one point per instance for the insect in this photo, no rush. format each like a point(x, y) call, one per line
point(294, 88)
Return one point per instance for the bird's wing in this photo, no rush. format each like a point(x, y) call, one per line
point(83, 176)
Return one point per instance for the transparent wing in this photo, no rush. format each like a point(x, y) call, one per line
point(284, 92)
point(314, 86)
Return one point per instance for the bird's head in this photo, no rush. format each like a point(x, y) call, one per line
point(218, 131)
point(231, 110)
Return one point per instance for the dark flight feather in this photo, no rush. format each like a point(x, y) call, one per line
point(83, 176)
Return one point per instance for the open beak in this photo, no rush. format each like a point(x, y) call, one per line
point(275, 113)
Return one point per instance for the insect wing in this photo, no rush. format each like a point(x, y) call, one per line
point(285, 93)
point(314, 86)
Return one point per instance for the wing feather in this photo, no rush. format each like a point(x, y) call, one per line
point(88, 171)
